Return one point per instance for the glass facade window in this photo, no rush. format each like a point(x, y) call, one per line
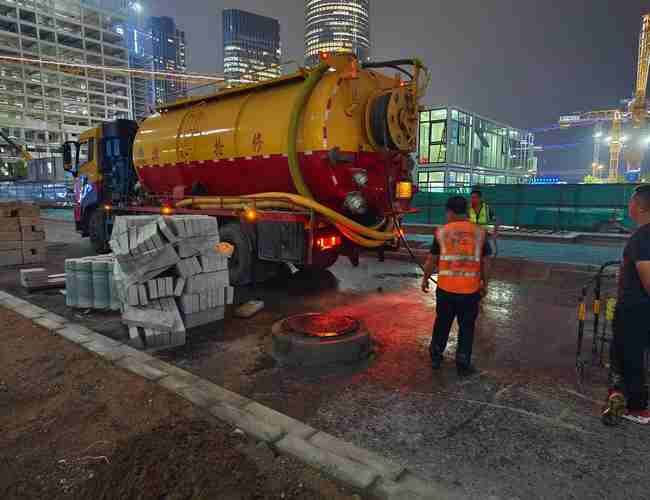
point(337, 26)
point(469, 150)
point(251, 47)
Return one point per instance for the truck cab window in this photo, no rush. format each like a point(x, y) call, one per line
point(86, 151)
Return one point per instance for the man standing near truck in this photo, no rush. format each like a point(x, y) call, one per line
point(628, 393)
point(459, 252)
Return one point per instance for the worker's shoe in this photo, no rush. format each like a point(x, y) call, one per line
point(466, 370)
point(641, 417)
point(615, 408)
point(436, 364)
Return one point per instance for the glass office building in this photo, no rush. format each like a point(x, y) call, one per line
point(459, 148)
point(169, 55)
point(337, 26)
point(251, 47)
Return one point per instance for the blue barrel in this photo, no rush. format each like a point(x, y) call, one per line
point(71, 296)
point(84, 284)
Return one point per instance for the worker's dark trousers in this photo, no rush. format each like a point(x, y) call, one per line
point(450, 306)
point(627, 355)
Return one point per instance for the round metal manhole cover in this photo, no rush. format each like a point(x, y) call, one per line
point(322, 325)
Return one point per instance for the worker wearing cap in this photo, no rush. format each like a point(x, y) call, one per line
point(459, 253)
point(480, 213)
point(628, 393)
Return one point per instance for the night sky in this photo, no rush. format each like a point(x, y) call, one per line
point(521, 62)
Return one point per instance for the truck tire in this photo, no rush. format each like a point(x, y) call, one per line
point(99, 236)
point(240, 264)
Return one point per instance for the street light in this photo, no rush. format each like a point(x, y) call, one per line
point(136, 7)
point(598, 135)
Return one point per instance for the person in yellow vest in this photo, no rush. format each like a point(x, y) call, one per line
point(479, 211)
point(459, 252)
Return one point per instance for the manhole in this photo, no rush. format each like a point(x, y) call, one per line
point(319, 339)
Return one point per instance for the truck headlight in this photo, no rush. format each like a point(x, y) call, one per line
point(356, 203)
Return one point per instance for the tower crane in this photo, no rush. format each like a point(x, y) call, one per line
point(637, 114)
point(638, 106)
point(614, 116)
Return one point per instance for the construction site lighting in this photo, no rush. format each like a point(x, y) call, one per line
point(598, 135)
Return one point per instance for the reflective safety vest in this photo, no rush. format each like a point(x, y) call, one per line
point(461, 248)
point(482, 217)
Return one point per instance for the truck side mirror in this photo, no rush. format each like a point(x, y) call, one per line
point(71, 157)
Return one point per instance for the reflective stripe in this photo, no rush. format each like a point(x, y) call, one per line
point(455, 258)
point(459, 274)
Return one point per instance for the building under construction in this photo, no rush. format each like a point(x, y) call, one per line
point(43, 105)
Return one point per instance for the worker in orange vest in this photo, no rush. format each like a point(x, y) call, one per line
point(459, 252)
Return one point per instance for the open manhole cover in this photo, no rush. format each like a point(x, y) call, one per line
point(319, 339)
point(322, 325)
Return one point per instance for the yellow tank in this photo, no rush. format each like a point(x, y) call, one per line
point(236, 141)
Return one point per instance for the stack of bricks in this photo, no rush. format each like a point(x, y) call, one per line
point(22, 235)
point(169, 277)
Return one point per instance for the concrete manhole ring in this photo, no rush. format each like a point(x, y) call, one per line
point(319, 339)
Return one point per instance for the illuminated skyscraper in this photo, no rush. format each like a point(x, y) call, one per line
point(337, 26)
point(251, 46)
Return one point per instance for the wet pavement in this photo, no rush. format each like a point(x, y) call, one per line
point(519, 429)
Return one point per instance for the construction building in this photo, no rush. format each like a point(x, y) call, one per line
point(169, 55)
point(337, 26)
point(42, 105)
point(251, 47)
point(459, 148)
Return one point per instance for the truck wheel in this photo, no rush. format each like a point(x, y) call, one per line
point(241, 262)
point(97, 231)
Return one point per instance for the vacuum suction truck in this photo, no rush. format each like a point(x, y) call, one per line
point(299, 169)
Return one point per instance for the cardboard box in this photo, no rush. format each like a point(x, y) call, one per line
point(10, 258)
point(13, 246)
point(29, 235)
point(34, 252)
point(9, 224)
point(27, 222)
point(28, 210)
point(10, 236)
point(17, 209)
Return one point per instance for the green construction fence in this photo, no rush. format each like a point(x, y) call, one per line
point(561, 207)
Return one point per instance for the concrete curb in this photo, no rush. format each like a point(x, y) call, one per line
point(360, 469)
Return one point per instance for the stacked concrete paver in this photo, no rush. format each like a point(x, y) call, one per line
point(169, 276)
point(22, 235)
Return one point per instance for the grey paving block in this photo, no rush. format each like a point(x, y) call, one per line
point(347, 471)
point(382, 466)
point(149, 318)
point(106, 350)
point(140, 368)
point(178, 373)
point(173, 384)
point(76, 333)
point(48, 324)
point(204, 318)
point(247, 422)
point(287, 424)
point(5, 295)
point(136, 354)
point(206, 394)
point(54, 317)
point(29, 311)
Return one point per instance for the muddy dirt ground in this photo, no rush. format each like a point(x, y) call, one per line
point(74, 426)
